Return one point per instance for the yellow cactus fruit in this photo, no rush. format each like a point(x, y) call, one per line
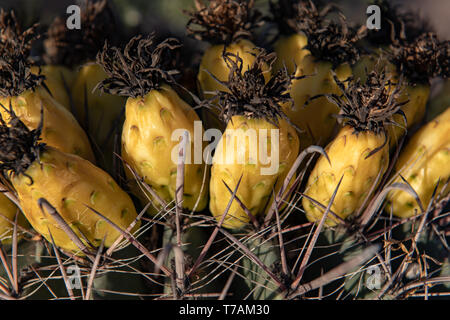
point(240, 18)
point(317, 118)
point(290, 52)
point(58, 80)
point(99, 114)
point(255, 188)
point(407, 45)
point(153, 114)
point(347, 152)
point(103, 110)
point(149, 151)
point(359, 154)
point(213, 63)
point(423, 162)
point(419, 62)
point(65, 49)
point(60, 130)
point(69, 183)
point(291, 42)
point(22, 92)
point(314, 56)
point(8, 211)
point(416, 95)
point(414, 111)
point(258, 146)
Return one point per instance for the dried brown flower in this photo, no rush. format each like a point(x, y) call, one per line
point(248, 93)
point(397, 25)
point(422, 59)
point(15, 45)
point(139, 68)
point(288, 13)
point(328, 40)
point(19, 146)
point(369, 106)
point(223, 21)
point(71, 47)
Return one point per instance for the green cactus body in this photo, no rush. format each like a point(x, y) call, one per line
point(263, 286)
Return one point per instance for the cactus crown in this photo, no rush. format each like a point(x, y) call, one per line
point(19, 146)
point(369, 106)
point(15, 46)
point(328, 40)
point(397, 25)
point(141, 67)
point(223, 21)
point(248, 93)
point(422, 59)
point(71, 47)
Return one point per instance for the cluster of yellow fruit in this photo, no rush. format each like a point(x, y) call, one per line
point(45, 153)
point(310, 90)
point(71, 75)
point(366, 117)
